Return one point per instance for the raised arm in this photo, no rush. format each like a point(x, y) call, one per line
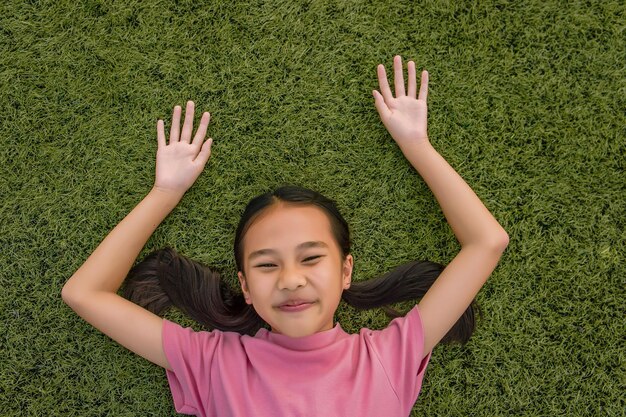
point(92, 290)
point(482, 238)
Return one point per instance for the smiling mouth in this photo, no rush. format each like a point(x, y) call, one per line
point(295, 308)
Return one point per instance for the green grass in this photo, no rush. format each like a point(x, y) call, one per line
point(526, 102)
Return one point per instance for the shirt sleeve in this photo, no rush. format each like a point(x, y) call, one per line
point(190, 355)
point(400, 349)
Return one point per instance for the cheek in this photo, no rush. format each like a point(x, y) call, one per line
point(259, 286)
point(329, 283)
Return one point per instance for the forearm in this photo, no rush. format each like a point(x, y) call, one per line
point(469, 219)
point(108, 265)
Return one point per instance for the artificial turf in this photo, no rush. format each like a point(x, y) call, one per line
point(526, 102)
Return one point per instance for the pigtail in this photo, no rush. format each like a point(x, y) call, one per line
point(165, 278)
point(407, 282)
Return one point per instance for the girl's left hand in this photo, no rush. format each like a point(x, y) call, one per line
point(179, 163)
point(405, 115)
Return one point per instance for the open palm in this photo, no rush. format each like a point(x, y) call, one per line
point(404, 116)
point(179, 163)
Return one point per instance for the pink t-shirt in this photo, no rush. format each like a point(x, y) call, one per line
point(330, 373)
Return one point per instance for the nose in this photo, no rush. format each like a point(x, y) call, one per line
point(291, 279)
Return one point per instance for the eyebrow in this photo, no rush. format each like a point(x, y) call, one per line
point(304, 245)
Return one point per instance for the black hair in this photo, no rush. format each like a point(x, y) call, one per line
point(165, 277)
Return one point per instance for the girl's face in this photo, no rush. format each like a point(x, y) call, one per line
point(290, 254)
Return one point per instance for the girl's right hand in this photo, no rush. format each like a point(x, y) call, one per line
point(179, 163)
point(405, 115)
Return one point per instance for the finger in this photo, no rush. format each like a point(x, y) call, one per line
point(381, 106)
point(383, 83)
point(188, 125)
point(175, 129)
point(160, 133)
point(424, 86)
point(201, 132)
point(412, 82)
point(205, 153)
point(398, 77)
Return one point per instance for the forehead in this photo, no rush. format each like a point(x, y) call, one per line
point(283, 227)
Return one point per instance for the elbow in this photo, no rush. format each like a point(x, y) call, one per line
point(67, 295)
point(497, 242)
point(502, 241)
point(494, 244)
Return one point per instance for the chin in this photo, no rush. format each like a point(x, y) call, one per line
point(295, 333)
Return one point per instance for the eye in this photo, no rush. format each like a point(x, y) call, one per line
point(310, 258)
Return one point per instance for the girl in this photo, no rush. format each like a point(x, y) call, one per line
point(274, 348)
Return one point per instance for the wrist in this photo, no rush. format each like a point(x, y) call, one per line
point(165, 196)
point(412, 146)
point(419, 154)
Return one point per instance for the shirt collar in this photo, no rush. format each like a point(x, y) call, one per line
point(312, 342)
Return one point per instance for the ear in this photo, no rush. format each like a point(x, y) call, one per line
point(244, 287)
point(347, 271)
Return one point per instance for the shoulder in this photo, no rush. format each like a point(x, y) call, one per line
point(177, 337)
point(411, 319)
point(402, 333)
point(175, 329)
point(190, 354)
point(399, 349)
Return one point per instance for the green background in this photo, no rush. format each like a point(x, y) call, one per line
point(526, 102)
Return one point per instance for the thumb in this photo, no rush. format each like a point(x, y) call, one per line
point(381, 106)
point(205, 152)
